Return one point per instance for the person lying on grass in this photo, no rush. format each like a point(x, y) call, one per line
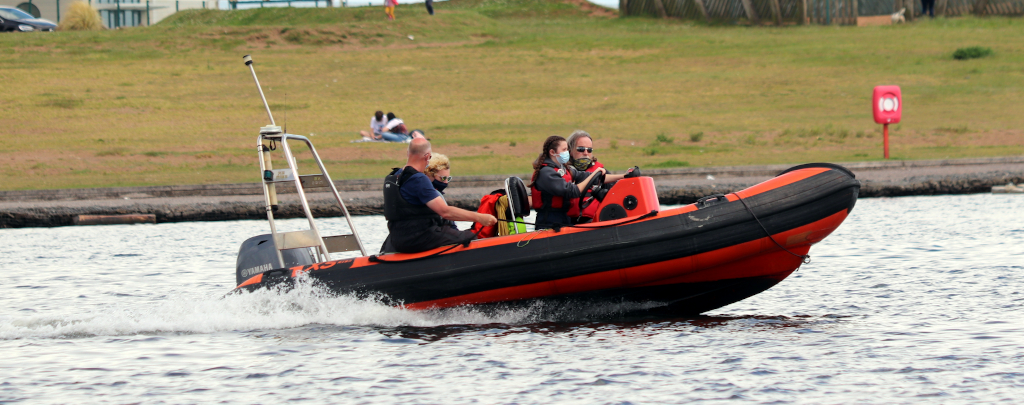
point(395, 130)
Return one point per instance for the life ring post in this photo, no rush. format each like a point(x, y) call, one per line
point(887, 108)
point(885, 139)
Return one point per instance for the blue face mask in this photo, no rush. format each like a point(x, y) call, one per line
point(439, 185)
point(563, 157)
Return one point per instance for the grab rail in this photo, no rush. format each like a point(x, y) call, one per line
point(269, 137)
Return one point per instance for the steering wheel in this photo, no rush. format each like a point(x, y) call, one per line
point(590, 189)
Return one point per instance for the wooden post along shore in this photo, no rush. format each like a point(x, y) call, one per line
point(114, 219)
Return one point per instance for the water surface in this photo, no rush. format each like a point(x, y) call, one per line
point(912, 300)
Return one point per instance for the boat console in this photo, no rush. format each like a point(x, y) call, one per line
point(628, 198)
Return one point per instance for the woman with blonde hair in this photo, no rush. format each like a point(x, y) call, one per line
point(439, 171)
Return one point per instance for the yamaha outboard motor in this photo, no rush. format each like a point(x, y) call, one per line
point(257, 256)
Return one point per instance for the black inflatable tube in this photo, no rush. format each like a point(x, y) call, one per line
point(571, 255)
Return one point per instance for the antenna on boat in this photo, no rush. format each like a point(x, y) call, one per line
point(248, 62)
point(265, 162)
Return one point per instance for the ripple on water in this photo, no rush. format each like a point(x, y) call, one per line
point(911, 300)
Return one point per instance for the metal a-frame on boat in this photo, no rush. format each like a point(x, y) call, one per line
point(296, 247)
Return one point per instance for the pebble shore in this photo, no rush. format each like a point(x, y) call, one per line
point(223, 202)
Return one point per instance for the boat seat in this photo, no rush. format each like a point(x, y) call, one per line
point(518, 202)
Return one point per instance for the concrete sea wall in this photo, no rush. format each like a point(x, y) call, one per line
point(222, 202)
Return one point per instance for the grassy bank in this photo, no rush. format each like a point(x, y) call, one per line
point(488, 80)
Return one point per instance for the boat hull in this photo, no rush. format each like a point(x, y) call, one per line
point(687, 260)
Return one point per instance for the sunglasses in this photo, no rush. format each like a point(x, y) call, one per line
point(582, 149)
point(446, 178)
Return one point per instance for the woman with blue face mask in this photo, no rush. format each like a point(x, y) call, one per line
point(439, 171)
point(556, 186)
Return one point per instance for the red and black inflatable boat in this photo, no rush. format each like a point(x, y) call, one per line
point(684, 261)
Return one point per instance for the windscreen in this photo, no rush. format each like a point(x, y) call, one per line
point(15, 14)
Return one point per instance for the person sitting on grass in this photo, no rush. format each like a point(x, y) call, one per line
point(394, 130)
point(377, 123)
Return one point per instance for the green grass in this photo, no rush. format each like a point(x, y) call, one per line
point(669, 164)
point(488, 80)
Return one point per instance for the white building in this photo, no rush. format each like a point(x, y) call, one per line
point(136, 13)
point(114, 13)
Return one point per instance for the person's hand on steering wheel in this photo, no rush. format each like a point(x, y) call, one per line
point(592, 186)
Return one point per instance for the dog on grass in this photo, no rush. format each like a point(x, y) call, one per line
point(897, 18)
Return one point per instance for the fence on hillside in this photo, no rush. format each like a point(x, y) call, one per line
point(843, 12)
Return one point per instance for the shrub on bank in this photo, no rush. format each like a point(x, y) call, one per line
point(81, 17)
point(972, 52)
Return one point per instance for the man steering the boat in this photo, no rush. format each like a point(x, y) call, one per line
point(554, 186)
point(581, 157)
point(416, 211)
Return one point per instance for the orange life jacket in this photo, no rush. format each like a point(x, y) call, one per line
point(591, 210)
point(544, 201)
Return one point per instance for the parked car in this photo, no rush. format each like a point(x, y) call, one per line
point(13, 19)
